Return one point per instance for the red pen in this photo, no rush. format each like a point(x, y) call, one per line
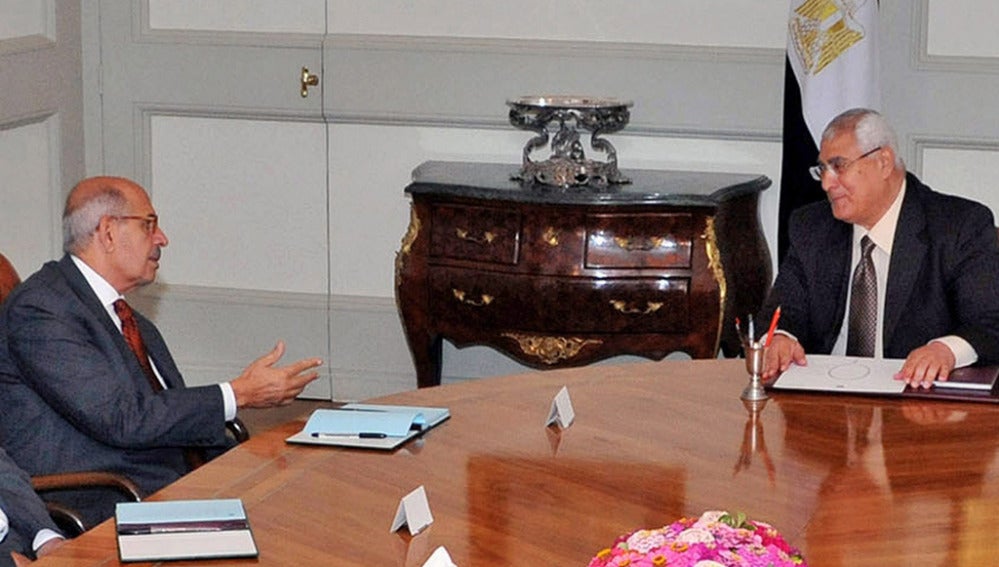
point(773, 326)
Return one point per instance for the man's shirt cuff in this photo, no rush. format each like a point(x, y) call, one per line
point(44, 536)
point(786, 334)
point(964, 353)
point(228, 400)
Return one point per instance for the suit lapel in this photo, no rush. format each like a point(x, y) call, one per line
point(159, 352)
point(907, 257)
point(86, 295)
point(836, 261)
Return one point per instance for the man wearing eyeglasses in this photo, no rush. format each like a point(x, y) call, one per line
point(885, 267)
point(89, 384)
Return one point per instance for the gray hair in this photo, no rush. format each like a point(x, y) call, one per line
point(80, 221)
point(869, 127)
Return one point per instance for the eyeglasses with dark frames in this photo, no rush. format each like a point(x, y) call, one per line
point(837, 165)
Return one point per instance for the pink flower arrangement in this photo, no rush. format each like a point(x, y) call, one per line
point(716, 539)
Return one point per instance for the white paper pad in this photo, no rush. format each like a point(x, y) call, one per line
point(196, 545)
point(848, 374)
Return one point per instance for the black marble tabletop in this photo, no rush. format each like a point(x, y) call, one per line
point(496, 181)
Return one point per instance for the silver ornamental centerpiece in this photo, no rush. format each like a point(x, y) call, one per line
point(568, 165)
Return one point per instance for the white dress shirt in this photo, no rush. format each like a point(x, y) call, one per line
point(41, 538)
point(883, 236)
point(107, 295)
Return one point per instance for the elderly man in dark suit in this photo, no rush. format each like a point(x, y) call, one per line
point(88, 384)
point(25, 526)
point(932, 269)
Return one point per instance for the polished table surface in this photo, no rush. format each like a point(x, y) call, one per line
point(851, 480)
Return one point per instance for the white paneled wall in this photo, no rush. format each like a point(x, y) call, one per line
point(20, 18)
point(242, 201)
point(734, 23)
point(266, 16)
point(962, 28)
point(967, 172)
point(29, 213)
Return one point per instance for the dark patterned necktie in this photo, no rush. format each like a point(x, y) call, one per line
point(863, 323)
point(130, 329)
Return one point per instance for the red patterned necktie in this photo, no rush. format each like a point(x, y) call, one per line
point(130, 329)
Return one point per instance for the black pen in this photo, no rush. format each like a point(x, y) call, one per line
point(182, 527)
point(361, 435)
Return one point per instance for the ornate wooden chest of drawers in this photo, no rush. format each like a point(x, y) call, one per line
point(564, 277)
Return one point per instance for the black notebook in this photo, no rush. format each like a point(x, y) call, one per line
point(970, 378)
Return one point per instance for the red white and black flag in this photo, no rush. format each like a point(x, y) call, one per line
point(832, 66)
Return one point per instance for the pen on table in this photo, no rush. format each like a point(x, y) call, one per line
point(361, 435)
point(773, 326)
point(182, 527)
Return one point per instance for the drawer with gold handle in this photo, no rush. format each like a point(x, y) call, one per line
point(467, 299)
point(633, 308)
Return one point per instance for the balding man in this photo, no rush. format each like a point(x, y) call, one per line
point(89, 384)
point(928, 264)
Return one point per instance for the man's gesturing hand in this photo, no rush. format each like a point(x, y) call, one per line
point(264, 385)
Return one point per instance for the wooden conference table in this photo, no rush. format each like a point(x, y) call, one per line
point(851, 480)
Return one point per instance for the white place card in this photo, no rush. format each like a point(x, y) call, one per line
point(440, 558)
point(413, 512)
point(561, 411)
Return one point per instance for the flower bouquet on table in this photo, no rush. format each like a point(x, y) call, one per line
point(716, 539)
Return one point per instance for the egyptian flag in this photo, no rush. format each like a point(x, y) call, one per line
point(832, 66)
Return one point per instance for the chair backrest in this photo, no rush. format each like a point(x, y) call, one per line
point(8, 278)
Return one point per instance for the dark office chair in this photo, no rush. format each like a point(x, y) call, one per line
point(8, 278)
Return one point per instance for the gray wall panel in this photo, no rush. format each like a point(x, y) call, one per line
point(708, 91)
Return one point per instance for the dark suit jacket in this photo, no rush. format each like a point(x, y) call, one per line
point(26, 514)
point(75, 398)
point(943, 277)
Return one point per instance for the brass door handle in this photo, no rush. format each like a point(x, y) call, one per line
point(308, 80)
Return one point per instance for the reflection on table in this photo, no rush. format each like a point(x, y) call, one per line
point(853, 481)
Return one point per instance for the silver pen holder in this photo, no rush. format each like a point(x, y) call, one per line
point(755, 391)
